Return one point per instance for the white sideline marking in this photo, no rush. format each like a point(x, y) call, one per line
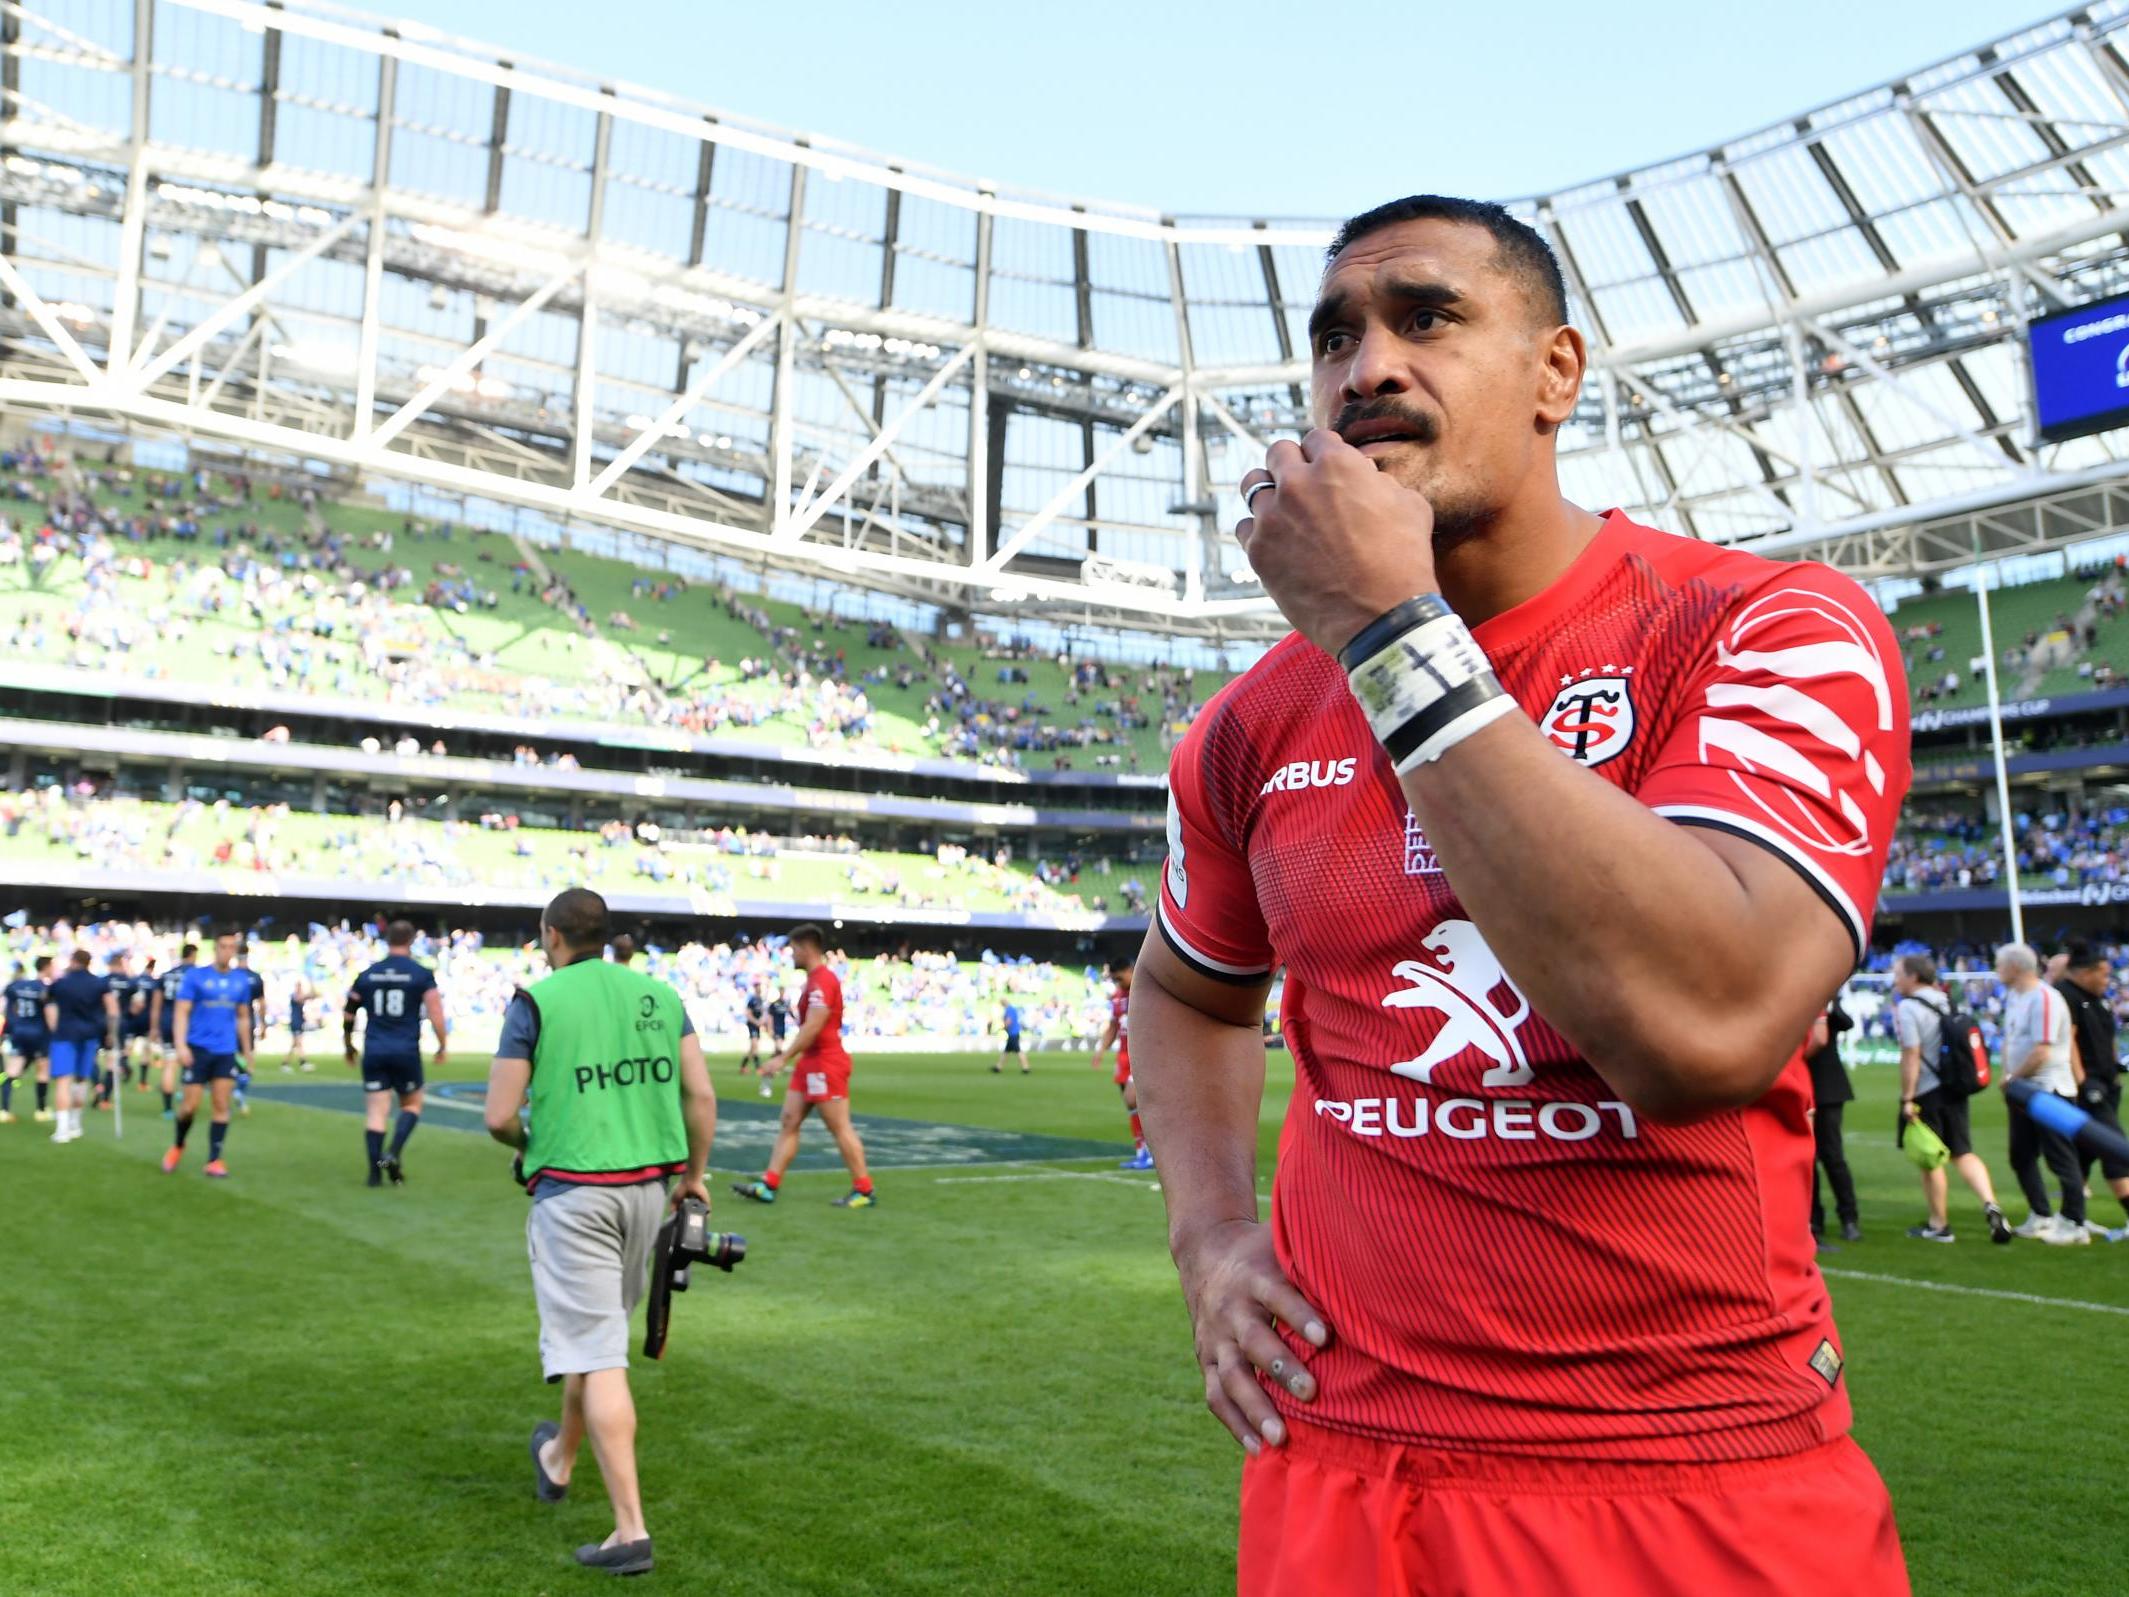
point(1049, 1175)
point(1976, 1291)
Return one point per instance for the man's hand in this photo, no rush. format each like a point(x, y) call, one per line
point(184, 1057)
point(1235, 1292)
point(1337, 542)
point(443, 1059)
point(352, 1062)
point(690, 1187)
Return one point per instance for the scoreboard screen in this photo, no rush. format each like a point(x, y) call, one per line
point(2080, 364)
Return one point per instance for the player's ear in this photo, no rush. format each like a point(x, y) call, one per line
point(1564, 362)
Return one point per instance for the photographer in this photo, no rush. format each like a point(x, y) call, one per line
point(620, 1101)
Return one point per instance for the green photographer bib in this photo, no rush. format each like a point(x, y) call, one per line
point(605, 1096)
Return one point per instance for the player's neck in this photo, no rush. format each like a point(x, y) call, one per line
point(1522, 553)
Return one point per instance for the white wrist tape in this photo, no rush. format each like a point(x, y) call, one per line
point(1424, 685)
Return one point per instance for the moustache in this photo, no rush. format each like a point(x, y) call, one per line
point(1423, 427)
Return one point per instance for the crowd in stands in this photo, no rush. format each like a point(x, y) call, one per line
point(1938, 850)
point(118, 833)
point(912, 994)
point(328, 611)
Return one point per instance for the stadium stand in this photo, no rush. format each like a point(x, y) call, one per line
point(2058, 635)
point(214, 577)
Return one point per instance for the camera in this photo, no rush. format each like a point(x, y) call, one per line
point(693, 1239)
point(684, 1240)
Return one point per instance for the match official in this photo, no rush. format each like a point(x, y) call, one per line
point(620, 1101)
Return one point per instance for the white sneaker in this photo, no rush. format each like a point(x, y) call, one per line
point(2061, 1233)
point(2034, 1225)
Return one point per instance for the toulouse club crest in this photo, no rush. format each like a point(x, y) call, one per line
point(1592, 716)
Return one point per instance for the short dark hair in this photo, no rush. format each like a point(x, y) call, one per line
point(624, 948)
point(81, 959)
point(190, 950)
point(1921, 967)
point(2083, 956)
point(809, 933)
point(579, 917)
point(44, 963)
point(1522, 248)
point(1122, 963)
point(399, 934)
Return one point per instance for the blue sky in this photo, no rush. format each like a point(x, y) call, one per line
point(1250, 107)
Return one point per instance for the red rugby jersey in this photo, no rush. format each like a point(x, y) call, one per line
point(1510, 1259)
point(1120, 1012)
point(824, 991)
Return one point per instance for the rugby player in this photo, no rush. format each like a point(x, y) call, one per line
point(214, 1039)
point(1010, 1049)
point(1117, 1035)
point(257, 1005)
point(163, 1021)
point(391, 997)
point(822, 1080)
point(135, 1021)
point(81, 1011)
point(299, 997)
point(1527, 807)
point(28, 1038)
point(751, 1059)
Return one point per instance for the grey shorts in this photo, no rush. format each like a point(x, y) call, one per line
point(591, 1251)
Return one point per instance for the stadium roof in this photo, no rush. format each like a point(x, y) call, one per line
point(374, 246)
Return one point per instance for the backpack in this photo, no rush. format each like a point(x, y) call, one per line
point(1962, 1062)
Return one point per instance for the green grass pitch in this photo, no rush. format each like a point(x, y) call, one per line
point(288, 1384)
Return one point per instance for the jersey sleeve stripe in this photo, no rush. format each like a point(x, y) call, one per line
point(1204, 964)
point(1737, 826)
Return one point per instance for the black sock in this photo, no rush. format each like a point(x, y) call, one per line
point(7, 1093)
point(44, 1092)
point(375, 1140)
point(216, 1131)
point(169, 1102)
point(184, 1129)
point(408, 1120)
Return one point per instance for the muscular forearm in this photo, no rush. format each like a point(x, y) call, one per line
point(1200, 1088)
point(1910, 1073)
point(808, 1034)
point(1634, 936)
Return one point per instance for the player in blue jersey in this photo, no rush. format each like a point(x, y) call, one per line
point(162, 1021)
point(213, 1028)
point(82, 1012)
point(390, 998)
point(257, 985)
point(779, 1022)
point(27, 1036)
point(757, 1011)
point(299, 997)
point(136, 1016)
point(1011, 1049)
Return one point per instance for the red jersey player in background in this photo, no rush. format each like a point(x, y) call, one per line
point(821, 1081)
point(1563, 830)
point(1117, 1034)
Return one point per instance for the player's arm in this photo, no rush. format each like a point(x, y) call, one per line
point(508, 1079)
point(1646, 943)
point(155, 1011)
point(350, 1012)
point(698, 1106)
point(433, 1003)
point(51, 1018)
point(110, 1017)
point(1101, 1048)
point(1199, 1066)
point(181, 1029)
point(244, 1033)
point(808, 1032)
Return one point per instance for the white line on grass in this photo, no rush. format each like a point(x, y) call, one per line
point(1976, 1291)
point(1048, 1175)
